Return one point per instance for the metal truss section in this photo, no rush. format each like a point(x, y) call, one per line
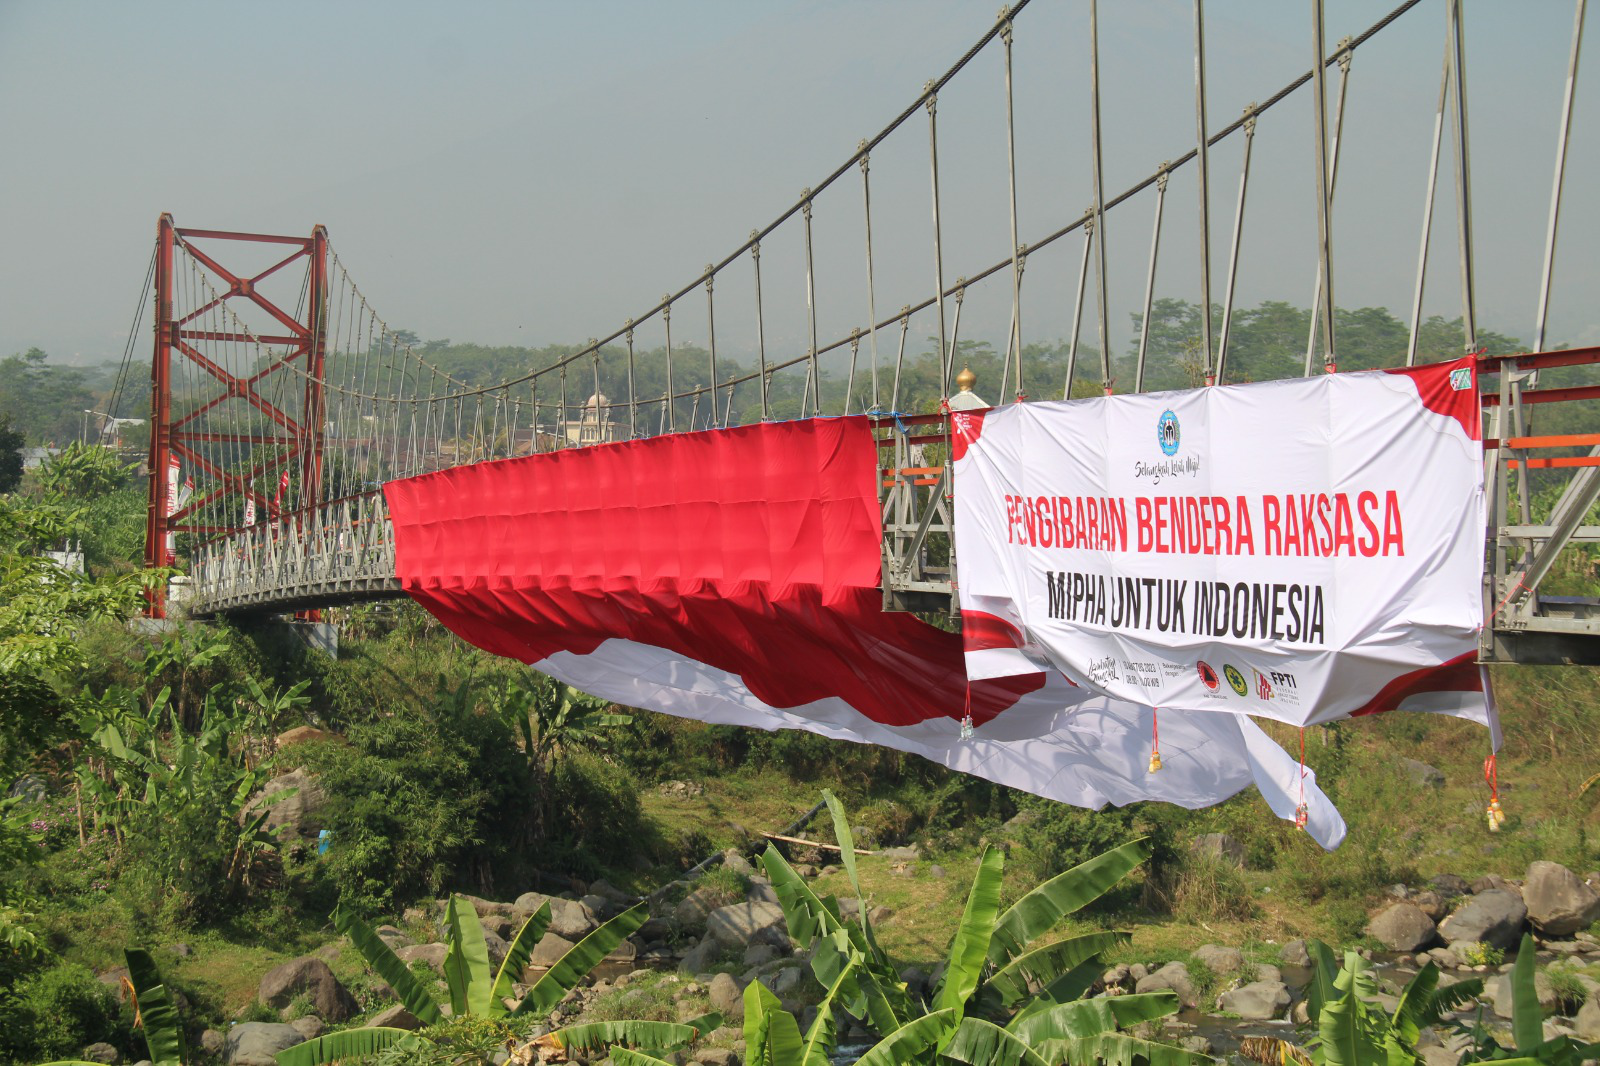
point(339, 553)
point(915, 497)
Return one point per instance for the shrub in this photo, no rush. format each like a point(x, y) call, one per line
point(53, 1013)
point(1209, 887)
point(1480, 954)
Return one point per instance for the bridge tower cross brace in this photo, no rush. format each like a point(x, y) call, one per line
point(299, 435)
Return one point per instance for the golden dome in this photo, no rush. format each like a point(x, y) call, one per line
point(966, 379)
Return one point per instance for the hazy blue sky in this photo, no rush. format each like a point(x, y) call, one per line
point(537, 172)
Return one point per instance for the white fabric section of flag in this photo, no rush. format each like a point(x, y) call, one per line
point(1300, 550)
point(174, 473)
point(1055, 742)
point(249, 510)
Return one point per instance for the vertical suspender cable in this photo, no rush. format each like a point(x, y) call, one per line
point(1556, 182)
point(761, 331)
point(1233, 245)
point(1099, 196)
point(1427, 212)
point(872, 292)
point(1077, 307)
point(1014, 339)
point(938, 246)
point(1150, 279)
point(900, 356)
point(1469, 317)
point(1203, 177)
point(711, 334)
point(672, 400)
point(633, 398)
point(1333, 181)
point(1319, 103)
point(814, 382)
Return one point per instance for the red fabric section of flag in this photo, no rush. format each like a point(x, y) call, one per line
point(1449, 389)
point(1460, 674)
point(754, 550)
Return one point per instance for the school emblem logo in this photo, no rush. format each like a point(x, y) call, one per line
point(1208, 676)
point(1167, 433)
point(1236, 680)
point(1461, 380)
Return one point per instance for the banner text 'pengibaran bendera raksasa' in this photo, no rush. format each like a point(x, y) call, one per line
point(1303, 550)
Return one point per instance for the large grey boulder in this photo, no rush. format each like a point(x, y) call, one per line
point(739, 924)
point(1220, 960)
point(1588, 1020)
point(1499, 990)
point(727, 997)
point(1257, 1001)
point(300, 814)
point(548, 951)
point(1448, 885)
point(430, 954)
point(698, 959)
point(102, 1052)
point(1559, 904)
point(258, 1043)
point(311, 976)
point(1431, 903)
point(1494, 916)
point(1294, 953)
point(568, 917)
point(1403, 927)
point(1173, 976)
point(695, 908)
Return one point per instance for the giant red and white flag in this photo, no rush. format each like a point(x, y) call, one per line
point(732, 576)
point(1302, 550)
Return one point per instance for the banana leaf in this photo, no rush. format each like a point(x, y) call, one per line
point(805, 915)
point(517, 956)
point(1344, 1034)
point(466, 963)
point(345, 1044)
point(970, 948)
point(847, 858)
point(1323, 988)
point(1090, 1017)
point(759, 1005)
point(1044, 965)
point(597, 1036)
point(381, 957)
point(1527, 1019)
point(163, 1032)
point(581, 958)
point(1039, 910)
point(823, 1034)
point(622, 1056)
point(909, 1041)
point(982, 1043)
point(1120, 1049)
point(706, 1022)
point(1411, 1013)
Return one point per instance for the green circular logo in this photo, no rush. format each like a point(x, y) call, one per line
point(1235, 679)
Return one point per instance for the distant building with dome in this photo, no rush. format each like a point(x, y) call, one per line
point(593, 425)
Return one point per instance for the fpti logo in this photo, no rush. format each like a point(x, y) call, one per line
point(1235, 679)
point(1167, 433)
point(1263, 686)
point(1208, 676)
point(1461, 380)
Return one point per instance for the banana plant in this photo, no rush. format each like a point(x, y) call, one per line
point(153, 1011)
point(984, 997)
point(473, 989)
point(1352, 1029)
point(1527, 1026)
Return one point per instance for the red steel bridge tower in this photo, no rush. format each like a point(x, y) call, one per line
point(236, 412)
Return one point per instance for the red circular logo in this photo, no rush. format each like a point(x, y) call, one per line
point(1208, 676)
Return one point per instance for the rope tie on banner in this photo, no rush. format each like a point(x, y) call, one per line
point(1491, 776)
point(966, 720)
point(1155, 739)
point(1302, 813)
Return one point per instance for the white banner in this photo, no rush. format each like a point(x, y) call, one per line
point(1302, 550)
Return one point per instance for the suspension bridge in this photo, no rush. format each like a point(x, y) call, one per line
point(282, 401)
